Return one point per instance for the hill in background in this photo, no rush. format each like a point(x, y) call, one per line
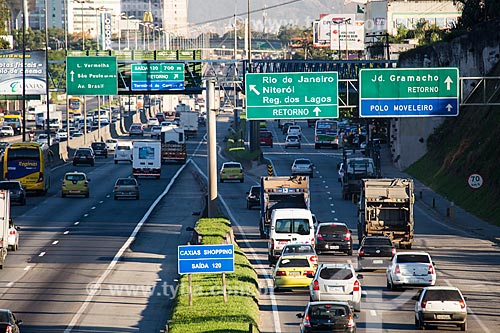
point(279, 13)
point(463, 145)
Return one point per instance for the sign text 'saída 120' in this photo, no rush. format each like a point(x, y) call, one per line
point(291, 95)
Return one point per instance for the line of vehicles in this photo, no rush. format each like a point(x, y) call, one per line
point(384, 223)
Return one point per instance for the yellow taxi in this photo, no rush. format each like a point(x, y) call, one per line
point(293, 271)
point(231, 171)
point(75, 183)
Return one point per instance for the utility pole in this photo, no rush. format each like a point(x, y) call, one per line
point(212, 149)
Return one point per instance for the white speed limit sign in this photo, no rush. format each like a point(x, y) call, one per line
point(475, 181)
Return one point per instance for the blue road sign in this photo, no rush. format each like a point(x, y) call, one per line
point(195, 259)
point(157, 76)
point(409, 92)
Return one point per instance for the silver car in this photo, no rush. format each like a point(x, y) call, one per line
point(126, 188)
point(303, 167)
point(337, 282)
point(292, 141)
point(410, 269)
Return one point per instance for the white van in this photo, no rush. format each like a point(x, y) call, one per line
point(123, 152)
point(146, 159)
point(289, 225)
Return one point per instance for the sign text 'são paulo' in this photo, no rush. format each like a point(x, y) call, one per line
point(408, 92)
point(291, 95)
point(91, 76)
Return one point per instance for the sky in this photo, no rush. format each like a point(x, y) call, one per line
point(218, 15)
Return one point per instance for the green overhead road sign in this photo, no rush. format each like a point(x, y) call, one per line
point(91, 76)
point(157, 76)
point(409, 92)
point(292, 95)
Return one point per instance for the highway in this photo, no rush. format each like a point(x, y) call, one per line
point(69, 244)
point(462, 260)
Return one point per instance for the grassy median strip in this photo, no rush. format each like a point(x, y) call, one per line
point(209, 313)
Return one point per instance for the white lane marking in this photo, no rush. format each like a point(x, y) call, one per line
point(10, 284)
point(85, 215)
point(55, 242)
point(42, 254)
point(66, 232)
point(333, 211)
point(27, 268)
point(324, 181)
point(330, 198)
point(331, 205)
point(101, 201)
point(76, 223)
point(335, 219)
point(122, 250)
point(373, 313)
point(469, 310)
point(328, 192)
point(326, 186)
point(93, 207)
point(274, 304)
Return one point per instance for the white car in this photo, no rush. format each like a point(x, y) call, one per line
point(61, 135)
point(440, 305)
point(410, 269)
point(156, 131)
point(295, 130)
point(42, 138)
point(153, 122)
point(111, 144)
point(337, 282)
point(292, 141)
point(123, 152)
point(6, 131)
point(13, 238)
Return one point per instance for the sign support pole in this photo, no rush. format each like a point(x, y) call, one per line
point(190, 291)
point(212, 149)
point(224, 291)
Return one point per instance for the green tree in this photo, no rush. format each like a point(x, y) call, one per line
point(477, 11)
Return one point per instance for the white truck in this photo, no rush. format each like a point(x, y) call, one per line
point(173, 145)
point(146, 158)
point(189, 122)
point(56, 119)
point(4, 224)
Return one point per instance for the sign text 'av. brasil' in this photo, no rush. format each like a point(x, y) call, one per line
point(291, 95)
point(409, 92)
point(194, 259)
point(94, 76)
point(157, 76)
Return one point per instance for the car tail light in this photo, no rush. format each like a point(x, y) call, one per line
point(312, 241)
point(397, 270)
point(393, 251)
point(347, 236)
point(350, 323)
point(431, 270)
point(12, 232)
point(306, 321)
point(308, 272)
point(319, 237)
point(8, 329)
point(462, 304)
point(313, 259)
point(315, 285)
point(361, 252)
point(424, 303)
point(272, 243)
point(356, 286)
point(280, 273)
point(40, 177)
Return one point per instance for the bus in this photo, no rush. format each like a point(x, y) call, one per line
point(75, 105)
point(326, 133)
point(30, 163)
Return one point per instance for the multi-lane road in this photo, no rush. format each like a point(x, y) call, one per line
point(69, 244)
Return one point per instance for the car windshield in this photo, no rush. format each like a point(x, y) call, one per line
point(98, 145)
point(327, 311)
point(299, 248)
point(4, 317)
point(302, 162)
point(330, 273)
point(75, 177)
point(332, 229)
point(377, 241)
point(83, 152)
point(442, 295)
point(294, 262)
point(292, 137)
point(255, 190)
point(232, 166)
point(125, 182)
point(411, 258)
point(299, 226)
point(9, 185)
point(123, 148)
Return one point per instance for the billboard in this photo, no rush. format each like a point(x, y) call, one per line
point(355, 32)
point(323, 27)
point(11, 71)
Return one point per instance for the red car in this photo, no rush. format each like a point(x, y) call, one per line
point(266, 138)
